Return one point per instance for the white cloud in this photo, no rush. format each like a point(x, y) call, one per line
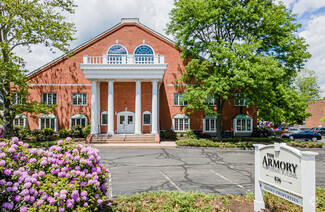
point(93, 17)
point(314, 33)
point(302, 6)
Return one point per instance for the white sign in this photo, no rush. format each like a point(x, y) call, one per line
point(285, 195)
point(285, 172)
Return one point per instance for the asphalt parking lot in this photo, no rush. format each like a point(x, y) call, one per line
point(205, 170)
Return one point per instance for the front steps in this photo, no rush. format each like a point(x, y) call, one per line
point(124, 138)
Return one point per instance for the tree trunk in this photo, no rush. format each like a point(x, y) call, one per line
point(220, 104)
point(8, 131)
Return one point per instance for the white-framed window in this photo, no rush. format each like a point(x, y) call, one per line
point(210, 123)
point(178, 100)
point(20, 120)
point(16, 100)
point(78, 119)
point(49, 98)
point(79, 99)
point(240, 100)
point(211, 101)
point(243, 123)
point(146, 118)
point(48, 121)
point(104, 118)
point(181, 123)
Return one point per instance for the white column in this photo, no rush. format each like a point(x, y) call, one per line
point(94, 108)
point(56, 125)
point(259, 197)
point(110, 111)
point(137, 126)
point(98, 108)
point(154, 107)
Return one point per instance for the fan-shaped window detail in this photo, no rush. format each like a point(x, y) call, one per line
point(144, 54)
point(116, 54)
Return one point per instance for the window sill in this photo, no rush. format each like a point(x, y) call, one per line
point(146, 124)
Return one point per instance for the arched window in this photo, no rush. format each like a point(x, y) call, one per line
point(144, 54)
point(104, 118)
point(48, 121)
point(78, 119)
point(116, 54)
point(146, 118)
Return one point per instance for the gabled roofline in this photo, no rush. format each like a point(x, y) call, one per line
point(123, 21)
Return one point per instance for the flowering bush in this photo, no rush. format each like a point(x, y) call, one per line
point(67, 177)
point(86, 131)
point(262, 131)
point(76, 132)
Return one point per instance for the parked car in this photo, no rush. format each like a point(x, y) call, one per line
point(320, 130)
point(305, 135)
point(290, 131)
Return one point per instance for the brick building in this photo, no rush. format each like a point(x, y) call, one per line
point(124, 81)
point(317, 109)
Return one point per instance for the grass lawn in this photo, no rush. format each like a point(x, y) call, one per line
point(177, 201)
point(246, 143)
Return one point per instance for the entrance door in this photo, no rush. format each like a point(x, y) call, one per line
point(125, 122)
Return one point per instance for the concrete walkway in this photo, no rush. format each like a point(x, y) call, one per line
point(164, 144)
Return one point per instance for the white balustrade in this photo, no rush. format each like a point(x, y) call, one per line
point(124, 59)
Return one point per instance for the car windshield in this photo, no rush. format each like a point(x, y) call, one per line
point(308, 131)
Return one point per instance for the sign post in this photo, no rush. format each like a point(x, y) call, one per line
point(285, 172)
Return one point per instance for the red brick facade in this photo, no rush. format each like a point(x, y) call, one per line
point(317, 109)
point(65, 77)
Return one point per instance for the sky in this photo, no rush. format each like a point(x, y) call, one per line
point(93, 17)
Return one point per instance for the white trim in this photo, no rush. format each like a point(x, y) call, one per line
point(82, 99)
point(101, 118)
point(59, 84)
point(146, 113)
point(183, 120)
point(210, 120)
point(55, 127)
point(246, 131)
point(144, 44)
point(117, 44)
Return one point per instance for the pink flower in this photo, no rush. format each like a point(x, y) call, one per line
point(2, 163)
point(17, 198)
point(23, 209)
point(15, 139)
point(11, 150)
point(40, 202)
point(60, 142)
point(2, 155)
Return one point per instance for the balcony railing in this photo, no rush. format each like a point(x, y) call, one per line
point(124, 59)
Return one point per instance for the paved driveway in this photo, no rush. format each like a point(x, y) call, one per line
point(184, 169)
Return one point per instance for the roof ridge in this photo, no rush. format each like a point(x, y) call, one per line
point(93, 39)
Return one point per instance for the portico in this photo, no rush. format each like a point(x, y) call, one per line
point(126, 121)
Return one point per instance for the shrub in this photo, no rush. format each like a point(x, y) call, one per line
point(205, 135)
point(262, 131)
point(64, 133)
point(35, 132)
point(76, 132)
point(21, 132)
point(162, 134)
point(47, 132)
point(86, 131)
point(190, 134)
point(170, 134)
point(66, 177)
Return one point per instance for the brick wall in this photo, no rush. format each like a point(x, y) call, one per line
point(317, 109)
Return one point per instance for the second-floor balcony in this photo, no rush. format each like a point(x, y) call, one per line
point(132, 59)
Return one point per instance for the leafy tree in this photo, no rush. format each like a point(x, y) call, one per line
point(247, 46)
point(25, 23)
point(323, 119)
point(307, 84)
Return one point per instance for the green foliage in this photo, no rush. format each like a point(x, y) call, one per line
point(262, 131)
point(47, 132)
point(168, 134)
point(64, 133)
point(190, 134)
point(323, 119)
point(40, 22)
point(76, 132)
point(21, 132)
point(307, 84)
point(245, 142)
point(250, 47)
point(86, 131)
